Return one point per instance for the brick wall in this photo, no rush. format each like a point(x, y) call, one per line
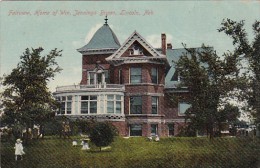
point(89, 63)
point(121, 127)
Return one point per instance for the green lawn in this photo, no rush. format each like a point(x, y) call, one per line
point(53, 152)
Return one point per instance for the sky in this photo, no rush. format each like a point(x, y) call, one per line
point(44, 24)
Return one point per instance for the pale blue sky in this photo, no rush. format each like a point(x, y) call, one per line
point(192, 22)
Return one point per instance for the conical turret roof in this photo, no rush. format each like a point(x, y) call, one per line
point(103, 39)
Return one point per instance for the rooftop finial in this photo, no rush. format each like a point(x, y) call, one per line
point(106, 20)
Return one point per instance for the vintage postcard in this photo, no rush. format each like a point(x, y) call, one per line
point(129, 84)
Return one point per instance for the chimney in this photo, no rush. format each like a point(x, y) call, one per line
point(169, 45)
point(163, 36)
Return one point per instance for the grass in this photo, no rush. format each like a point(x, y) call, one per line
point(53, 152)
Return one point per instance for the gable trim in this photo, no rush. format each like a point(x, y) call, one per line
point(135, 36)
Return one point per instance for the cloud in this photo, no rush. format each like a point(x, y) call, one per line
point(155, 39)
point(92, 31)
point(77, 44)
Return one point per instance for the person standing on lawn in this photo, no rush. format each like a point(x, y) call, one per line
point(18, 150)
point(67, 130)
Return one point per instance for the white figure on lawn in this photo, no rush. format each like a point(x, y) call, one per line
point(74, 143)
point(157, 138)
point(84, 144)
point(18, 150)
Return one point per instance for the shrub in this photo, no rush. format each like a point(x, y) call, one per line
point(102, 134)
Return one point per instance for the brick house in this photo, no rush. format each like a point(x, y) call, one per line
point(132, 85)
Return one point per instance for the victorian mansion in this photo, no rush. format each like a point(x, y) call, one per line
point(130, 84)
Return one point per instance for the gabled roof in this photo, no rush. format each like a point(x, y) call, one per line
point(135, 36)
point(104, 39)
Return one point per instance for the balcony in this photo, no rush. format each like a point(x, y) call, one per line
point(91, 88)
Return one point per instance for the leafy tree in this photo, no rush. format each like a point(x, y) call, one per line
point(102, 134)
point(228, 115)
point(208, 78)
point(251, 52)
point(26, 98)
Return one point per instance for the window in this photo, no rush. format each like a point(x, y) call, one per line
point(136, 75)
point(154, 105)
point(136, 130)
point(107, 77)
point(120, 76)
point(69, 102)
point(93, 107)
point(88, 104)
point(66, 104)
point(110, 103)
point(154, 75)
point(98, 77)
point(84, 104)
point(91, 78)
point(135, 105)
point(114, 104)
point(183, 107)
point(62, 109)
point(118, 104)
point(176, 76)
point(93, 104)
point(171, 129)
point(154, 128)
point(68, 109)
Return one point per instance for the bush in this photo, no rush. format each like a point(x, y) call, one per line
point(102, 134)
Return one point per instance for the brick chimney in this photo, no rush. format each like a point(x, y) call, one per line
point(163, 36)
point(169, 45)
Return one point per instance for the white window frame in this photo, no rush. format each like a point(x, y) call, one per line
point(65, 101)
point(89, 104)
point(115, 100)
point(103, 80)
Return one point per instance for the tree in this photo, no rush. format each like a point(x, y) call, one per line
point(208, 78)
point(251, 52)
point(26, 98)
point(102, 134)
point(228, 115)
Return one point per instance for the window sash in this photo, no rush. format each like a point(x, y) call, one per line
point(110, 106)
point(68, 109)
point(91, 78)
point(154, 75)
point(154, 128)
point(136, 130)
point(62, 109)
point(136, 75)
point(154, 105)
point(107, 76)
point(84, 107)
point(93, 107)
point(136, 105)
point(118, 107)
